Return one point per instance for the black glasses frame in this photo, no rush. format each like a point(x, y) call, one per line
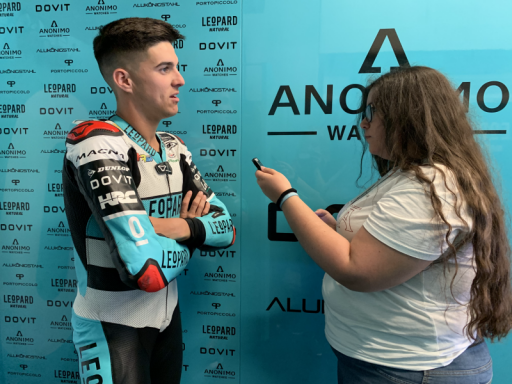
point(368, 112)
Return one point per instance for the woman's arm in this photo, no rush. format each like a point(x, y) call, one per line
point(364, 265)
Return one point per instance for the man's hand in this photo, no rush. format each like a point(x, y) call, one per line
point(198, 208)
point(176, 228)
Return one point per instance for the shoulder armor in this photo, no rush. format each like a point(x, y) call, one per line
point(92, 128)
point(166, 137)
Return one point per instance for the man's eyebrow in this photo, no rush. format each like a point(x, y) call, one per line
point(170, 63)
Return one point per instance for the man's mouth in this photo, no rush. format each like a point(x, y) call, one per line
point(175, 97)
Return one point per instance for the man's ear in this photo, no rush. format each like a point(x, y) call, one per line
point(122, 79)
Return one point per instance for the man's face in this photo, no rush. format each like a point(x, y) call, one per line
point(156, 82)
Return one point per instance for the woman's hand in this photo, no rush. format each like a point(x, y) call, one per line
point(198, 208)
point(326, 217)
point(272, 183)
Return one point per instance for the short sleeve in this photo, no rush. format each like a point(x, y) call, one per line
point(403, 219)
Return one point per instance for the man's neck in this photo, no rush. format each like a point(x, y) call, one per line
point(145, 127)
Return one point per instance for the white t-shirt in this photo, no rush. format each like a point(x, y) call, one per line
point(417, 325)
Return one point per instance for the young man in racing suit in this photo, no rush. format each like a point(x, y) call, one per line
point(137, 208)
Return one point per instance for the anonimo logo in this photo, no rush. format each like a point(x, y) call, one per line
point(498, 89)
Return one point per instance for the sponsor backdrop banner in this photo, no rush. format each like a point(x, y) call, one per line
point(305, 64)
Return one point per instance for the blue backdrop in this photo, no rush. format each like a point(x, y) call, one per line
point(280, 80)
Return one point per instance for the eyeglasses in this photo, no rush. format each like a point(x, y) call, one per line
point(368, 112)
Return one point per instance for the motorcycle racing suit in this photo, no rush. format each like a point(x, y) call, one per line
point(126, 322)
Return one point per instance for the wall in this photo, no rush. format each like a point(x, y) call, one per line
point(265, 291)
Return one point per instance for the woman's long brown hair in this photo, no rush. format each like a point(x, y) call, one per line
point(426, 122)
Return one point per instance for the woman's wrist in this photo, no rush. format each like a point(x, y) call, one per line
point(285, 195)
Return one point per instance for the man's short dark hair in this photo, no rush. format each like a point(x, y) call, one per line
point(121, 42)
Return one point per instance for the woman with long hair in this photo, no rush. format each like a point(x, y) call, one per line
point(417, 266)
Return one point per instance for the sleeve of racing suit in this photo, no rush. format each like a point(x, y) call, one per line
point(100, 159)
point(215, 229)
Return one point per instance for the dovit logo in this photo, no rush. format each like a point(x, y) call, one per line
point(219, 23)
point(63, 324)
point(56, 188)
point(9, 54)
point(207, 89)
point(54, 31)
point(59, 90)
point(19, 319)
point(19, 339)
point(56, 134)
point(16, 227)
point(11, 30)
point(223, 254)
point(53, 209)
point(306, 308)
point(217, 152)
point(101, 90)
point(14, 207)
point(18, 301)
point(220, 70)
point(56, 111)
point(68, 62)
point(59, 304)
point(101, 113)
point(12, 153)
point(166, 123)
point(165, 17)
point(219, 373)
point(219, 332)
point(52, 7)
point(216, 305)
point(15, 182)
point(6, 8)
point(60, 230)
point(220, 175)
point(220, 276)
point(64, 285)
point(216, 102)
point(101, 9)
point(16, 248)
point(11, 83)
point(212, 46)
point(108, 180)
point(11, 111)
point(216, 351)
point(219, 131)
point(116, 197)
